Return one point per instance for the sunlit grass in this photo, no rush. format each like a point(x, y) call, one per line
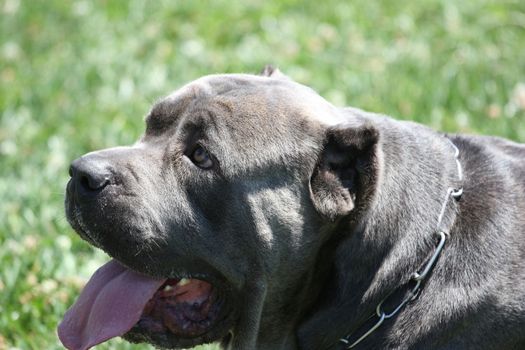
point(79, 76)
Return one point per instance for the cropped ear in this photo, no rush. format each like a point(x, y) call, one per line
point(273, 72)
point(345, 171)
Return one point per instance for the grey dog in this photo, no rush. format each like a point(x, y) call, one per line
point(256, 214)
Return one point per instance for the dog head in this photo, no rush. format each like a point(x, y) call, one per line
point(221, 210)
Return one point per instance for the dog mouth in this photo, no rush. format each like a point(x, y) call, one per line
point(183, 313)
point(167, 312)
point(185, 307)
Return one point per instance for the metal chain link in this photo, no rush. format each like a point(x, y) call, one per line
point(417, 277)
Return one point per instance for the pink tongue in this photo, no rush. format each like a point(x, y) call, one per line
point(109, 306)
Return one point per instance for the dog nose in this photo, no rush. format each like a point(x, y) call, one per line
point(90, 175)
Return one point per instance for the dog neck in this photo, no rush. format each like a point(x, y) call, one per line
point(395, 236)
point(407, 292)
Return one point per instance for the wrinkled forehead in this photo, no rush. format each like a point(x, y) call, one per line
point(247, 95)
point(249, 122)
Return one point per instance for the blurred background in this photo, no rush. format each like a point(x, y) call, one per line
point(76, 76)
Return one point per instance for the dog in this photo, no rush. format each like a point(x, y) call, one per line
point(255, 214)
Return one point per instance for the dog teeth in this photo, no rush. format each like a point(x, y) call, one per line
point(183, 282)
point(168, 288)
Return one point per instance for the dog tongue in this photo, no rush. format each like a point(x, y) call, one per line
point(109, 306)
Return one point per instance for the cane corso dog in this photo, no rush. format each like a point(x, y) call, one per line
point(255, 214)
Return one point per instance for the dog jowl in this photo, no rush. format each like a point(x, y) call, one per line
point(255, 214)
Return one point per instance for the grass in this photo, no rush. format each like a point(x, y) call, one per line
point(79, 76)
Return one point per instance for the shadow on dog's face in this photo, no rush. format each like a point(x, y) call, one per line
point(216, 200)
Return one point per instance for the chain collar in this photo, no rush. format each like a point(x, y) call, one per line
point(419, 276)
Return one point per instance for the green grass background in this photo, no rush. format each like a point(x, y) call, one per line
point(77, 76)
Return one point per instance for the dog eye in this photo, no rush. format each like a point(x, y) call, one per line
point(201, 158)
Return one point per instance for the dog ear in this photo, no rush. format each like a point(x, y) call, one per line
point(273, 72)
point(346, 170)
